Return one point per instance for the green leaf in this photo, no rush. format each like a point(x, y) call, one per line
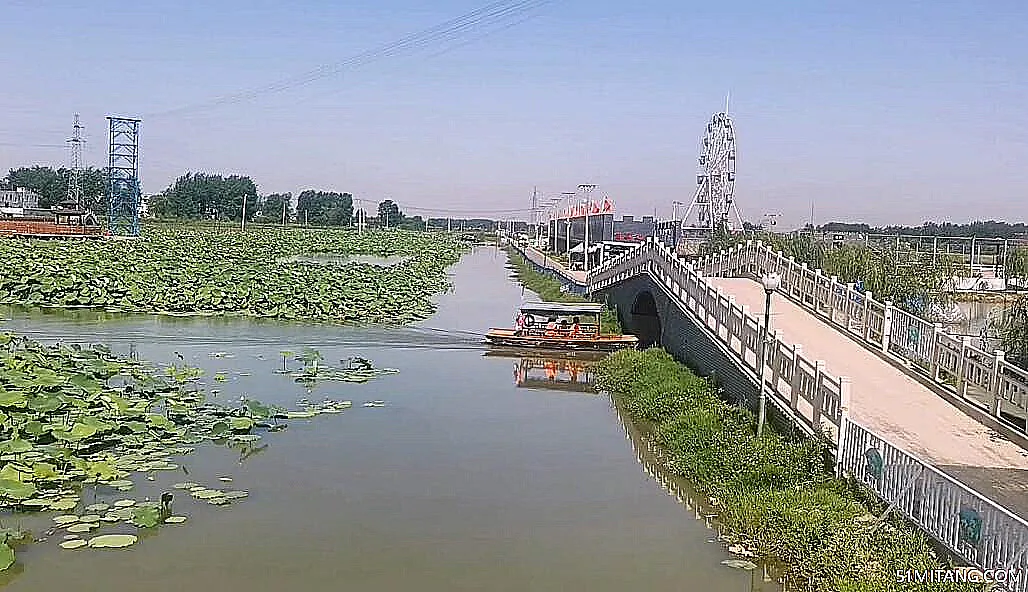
point(6, 556)
point(16, 489)
point(112, 541)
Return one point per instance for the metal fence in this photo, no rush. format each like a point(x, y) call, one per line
point(970, 525)
point(984, 379)
point(800, 387)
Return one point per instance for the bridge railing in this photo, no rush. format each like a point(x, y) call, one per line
point(800, 387)
point(969, 524)
point(984, 379)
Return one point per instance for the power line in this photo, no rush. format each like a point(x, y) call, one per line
point(491, 14)
point(453, 211)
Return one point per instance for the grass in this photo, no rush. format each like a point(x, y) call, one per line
point(773, 495)
point(548, 289)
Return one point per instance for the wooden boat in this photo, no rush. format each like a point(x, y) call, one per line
point(559, 326)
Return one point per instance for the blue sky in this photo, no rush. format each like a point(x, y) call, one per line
point(885, 112)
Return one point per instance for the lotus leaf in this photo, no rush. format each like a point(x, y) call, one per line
point(16, 489)
point(241, 424)
point(74, 544)
point(174, 519)
point(44, 471)
point(82, 527)
point(15, 446)
point(124, 503)
point(64, 504)
point(66, 519)
point(12, 398)
point(146, 516)
point(6, 556)
point(112, 541)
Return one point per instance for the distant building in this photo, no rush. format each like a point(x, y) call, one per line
point(19, 197)
point(629, 226)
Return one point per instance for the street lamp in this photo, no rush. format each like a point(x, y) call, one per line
point(771, 282)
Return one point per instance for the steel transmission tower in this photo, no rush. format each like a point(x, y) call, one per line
point(123, 198)
point(75, 174)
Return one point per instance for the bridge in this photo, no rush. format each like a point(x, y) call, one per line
point(931, 424)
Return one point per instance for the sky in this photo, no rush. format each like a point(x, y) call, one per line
point(882, 112)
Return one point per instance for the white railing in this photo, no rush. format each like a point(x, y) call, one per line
point(984, 379)
point(972, 526)
point(799, 386)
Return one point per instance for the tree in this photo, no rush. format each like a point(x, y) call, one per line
point(389, 213)
point(1013, 331)
point(324, 208)
point(52, 185)
point(207, 197)
point(274, 208)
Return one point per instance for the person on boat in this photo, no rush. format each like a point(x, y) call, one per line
point(576, 328)
point(551, 327)
point(519, 323)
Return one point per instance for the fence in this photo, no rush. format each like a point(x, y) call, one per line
point(550, 268)
point(984, 379)
point(802, 388)
point(970, 525)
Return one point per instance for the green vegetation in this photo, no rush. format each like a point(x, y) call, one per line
point(202, 196)
point(52, 185)
point(1013, 332)
point(981, 228)
point(1016, 265)
point(774, 496)
point(324, 208)
point(205, 269)
point(914, 282)
point(77, 421)
point(548, 289)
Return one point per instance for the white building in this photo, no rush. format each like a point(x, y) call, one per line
point(20, 197)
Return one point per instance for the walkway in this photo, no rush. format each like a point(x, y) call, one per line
point(541, 259)
point(897, 407)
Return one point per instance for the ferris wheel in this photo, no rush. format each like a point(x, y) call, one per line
point(714, 201)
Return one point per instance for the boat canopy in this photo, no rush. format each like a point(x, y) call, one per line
point(558, 308)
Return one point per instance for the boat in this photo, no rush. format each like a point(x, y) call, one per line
point(560, 327)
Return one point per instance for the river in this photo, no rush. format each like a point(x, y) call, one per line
point(462, 481)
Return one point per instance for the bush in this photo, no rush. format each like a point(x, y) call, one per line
point(773, 495)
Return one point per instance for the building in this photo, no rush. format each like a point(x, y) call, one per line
point(629, 226)
point(19, 197)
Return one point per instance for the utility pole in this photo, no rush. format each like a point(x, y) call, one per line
point(74, 175)
point(587, 190)
point(284, 202)
point(535, 217)
point(242, 225)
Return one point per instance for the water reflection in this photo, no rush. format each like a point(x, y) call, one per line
point(655, 462)
point(572, 372)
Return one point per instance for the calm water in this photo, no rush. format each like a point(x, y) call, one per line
point(463, 481)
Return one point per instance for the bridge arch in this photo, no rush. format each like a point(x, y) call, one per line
point(645, 320)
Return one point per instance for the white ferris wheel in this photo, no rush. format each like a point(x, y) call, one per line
point(714, 201)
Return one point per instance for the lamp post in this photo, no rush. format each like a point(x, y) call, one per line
point(771, 284)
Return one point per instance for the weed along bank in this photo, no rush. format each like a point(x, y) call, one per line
point(776, 497)
point(877, 474)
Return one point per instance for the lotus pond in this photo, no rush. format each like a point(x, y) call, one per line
point(443, 475)
point(263, 272)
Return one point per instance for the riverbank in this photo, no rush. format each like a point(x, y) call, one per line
point(548, 289)
point(773, 496)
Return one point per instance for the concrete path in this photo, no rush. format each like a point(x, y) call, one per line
point(538, 257)
point(897, 407)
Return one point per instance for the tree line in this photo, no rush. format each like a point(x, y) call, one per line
point(208, 196)
point(52, 185)
point(982, 228)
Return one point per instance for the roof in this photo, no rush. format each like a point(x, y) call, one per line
point(564, 309)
